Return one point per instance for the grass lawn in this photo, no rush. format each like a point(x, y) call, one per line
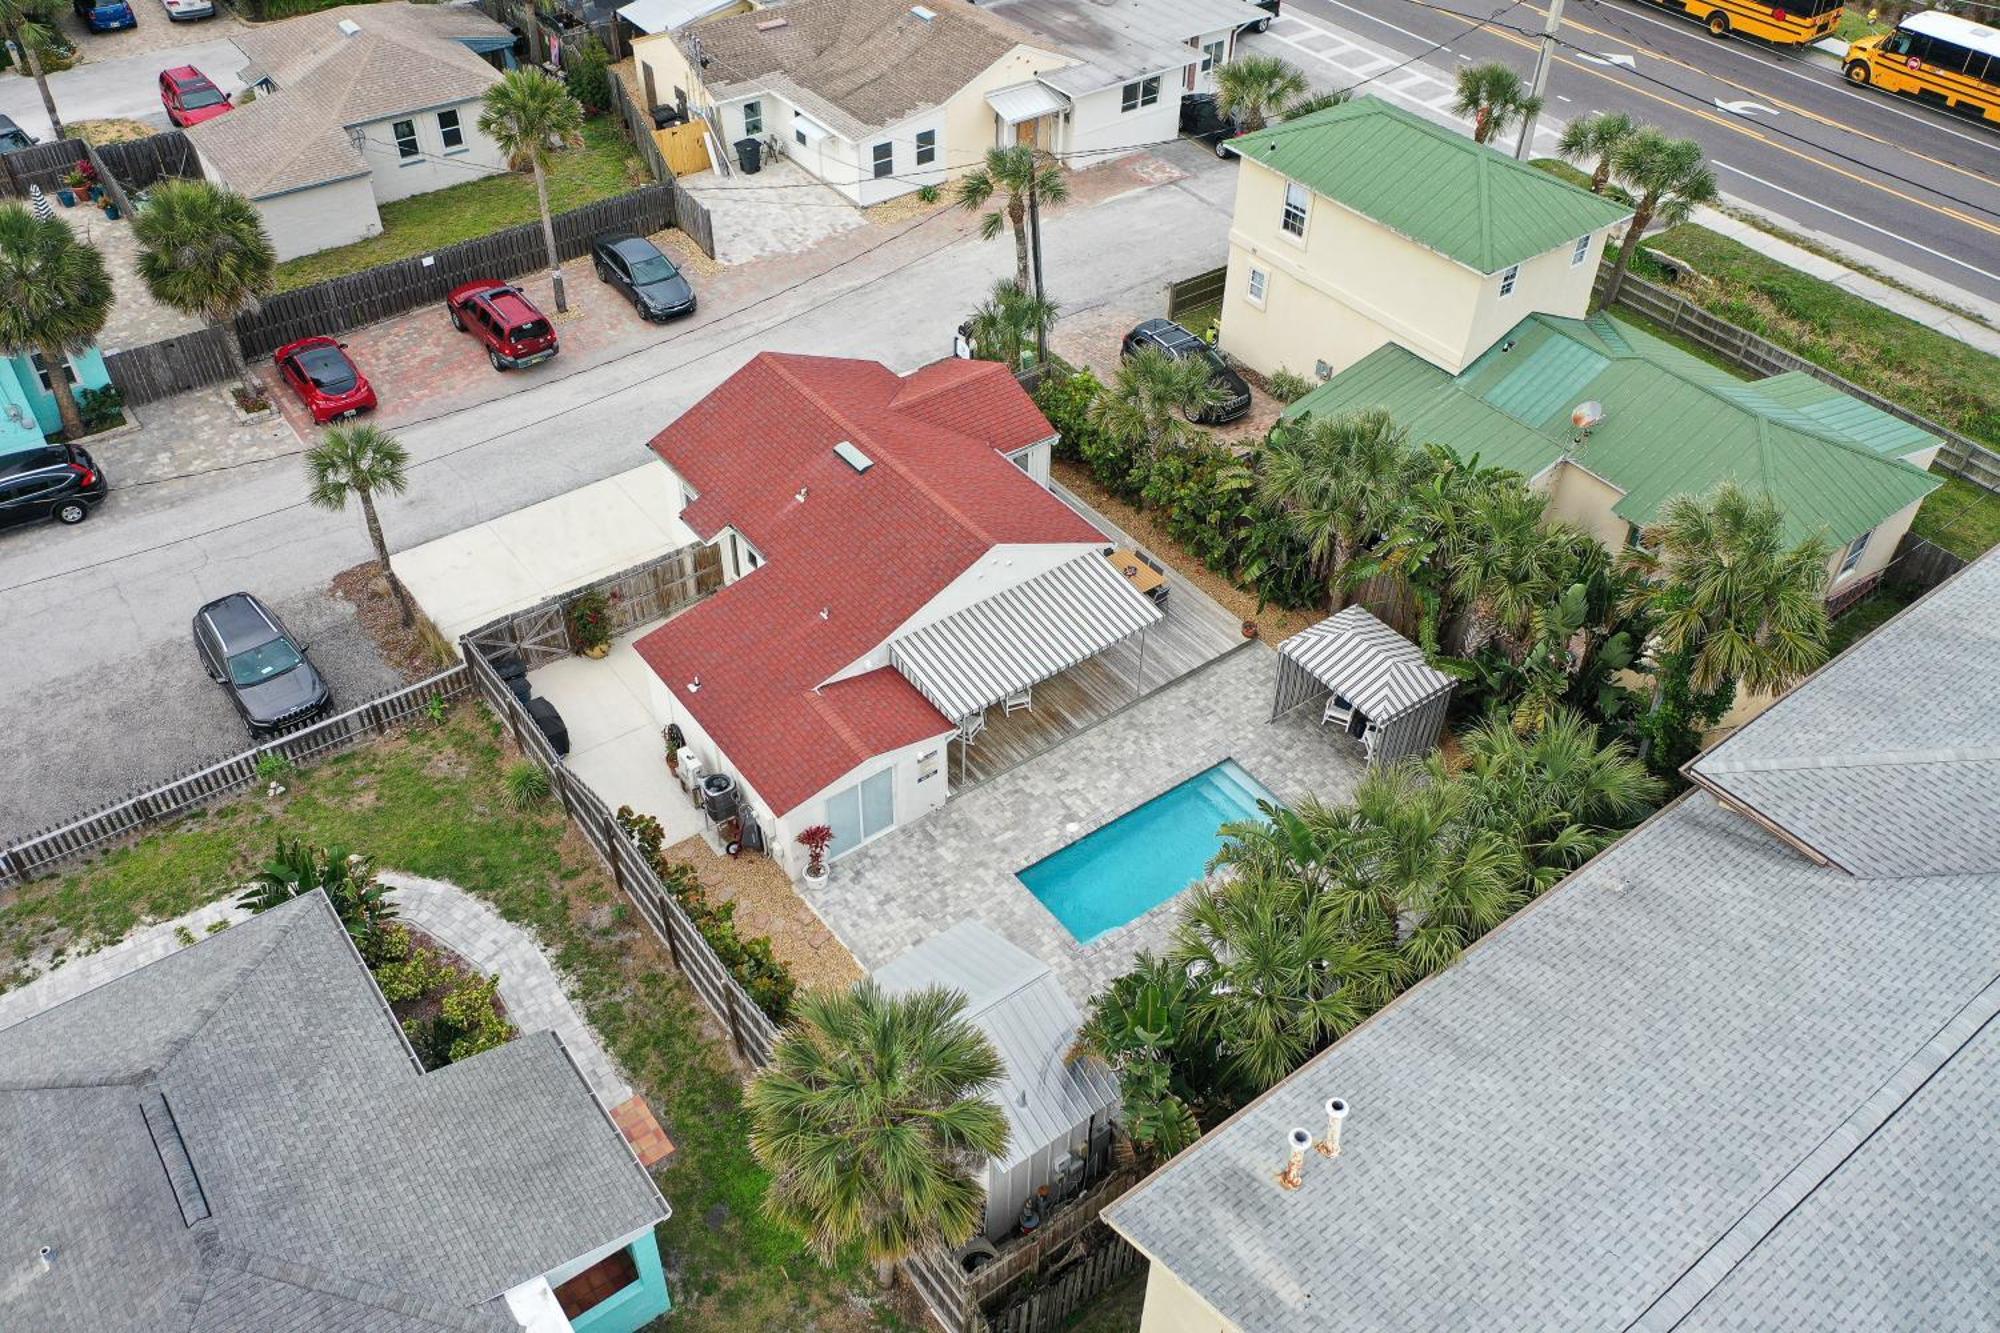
point(1855, 24)
point(1861, 619)
point(1116, 1311)
point(430, 802)
point(604, 166)
point(1961, 517)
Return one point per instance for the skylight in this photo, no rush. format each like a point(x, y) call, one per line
point(852, 456)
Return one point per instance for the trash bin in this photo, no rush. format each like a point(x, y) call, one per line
point(666, 117)
point(749, 156)
point(549, 722)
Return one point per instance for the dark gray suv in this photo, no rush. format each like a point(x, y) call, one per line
point(248, 651)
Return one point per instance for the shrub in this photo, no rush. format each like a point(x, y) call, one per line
point(274, 767)
point(527, 784)
point(472, 1009)
point(589, 79)
point(101, 408)
point(590, 621)
point(1288, 386)
point(405, 970)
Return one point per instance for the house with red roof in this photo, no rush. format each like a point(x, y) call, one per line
point(895, 565)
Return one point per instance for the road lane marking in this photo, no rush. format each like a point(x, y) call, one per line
point(1859, 222)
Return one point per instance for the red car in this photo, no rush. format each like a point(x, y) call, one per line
point(502, 317)
point(189, 97)
point(320, 373)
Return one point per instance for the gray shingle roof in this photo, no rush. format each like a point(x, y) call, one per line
point(1704, 1083)
point(1887, 762)
point(344, 1189)
point(1113, 41)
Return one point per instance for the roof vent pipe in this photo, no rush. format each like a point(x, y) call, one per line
point(1294, 1174)
point(1336, 1111)
point(801, 496)
point(46, 1257)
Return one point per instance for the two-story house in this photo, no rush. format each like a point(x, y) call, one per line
point(1366, 224)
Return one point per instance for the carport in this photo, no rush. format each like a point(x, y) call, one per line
point(1378, 687)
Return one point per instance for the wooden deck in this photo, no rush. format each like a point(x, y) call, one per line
point(1196, 631)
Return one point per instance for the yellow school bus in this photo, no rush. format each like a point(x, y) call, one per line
point(1947, 61)
point(1787, 24)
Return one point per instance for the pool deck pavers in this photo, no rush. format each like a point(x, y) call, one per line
point(960, 862)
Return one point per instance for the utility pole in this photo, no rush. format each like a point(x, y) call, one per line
point(1539, 87)
point(1035, 250)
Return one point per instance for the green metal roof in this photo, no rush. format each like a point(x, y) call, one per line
point(1673, 425)
point(1432, 184)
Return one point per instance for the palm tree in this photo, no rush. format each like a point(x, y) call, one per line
point(1732, 603)
point(296, 869)
point(1011, 322)
point(1251, 88)
point(530, 116)
point(872, 1120)
point(1494, 96)
point(1596, 137)
point(1341, 481)
point(362, 462)
point(1152, 397)
point(1021, 173)
point(1143, 1028)
point(33, 34)
point(54, 298)
point(203, 252)
point(1669, 179)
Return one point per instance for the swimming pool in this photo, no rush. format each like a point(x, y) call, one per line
point(1123, 870)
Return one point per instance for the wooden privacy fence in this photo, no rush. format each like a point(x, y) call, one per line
point(25, 858)
point(169, 366)
point(684, 146)
point(1923, 563)
point(348, 302)
point(1960, 456)
point(1046, 1308)
point(1193, 293)
point(137, 165)
point(689, 213)
point(648, 591)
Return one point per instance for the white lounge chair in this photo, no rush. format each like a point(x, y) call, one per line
point(1020, 699)
point(970, 727)
point(1339, 712)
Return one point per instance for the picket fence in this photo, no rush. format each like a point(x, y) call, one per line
point(40, 853)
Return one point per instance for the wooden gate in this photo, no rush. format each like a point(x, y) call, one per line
point(683, 148)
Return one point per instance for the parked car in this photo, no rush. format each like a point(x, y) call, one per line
point(13, 138)
point(186, 11)
point(1169, 337)
point(1204, 123)
point(320, 372)
point(1270, 8)
point(657, 289)
point(501, 316)
point(58, 481)
point(105, 15)
point(247, 650)
point(189, 97)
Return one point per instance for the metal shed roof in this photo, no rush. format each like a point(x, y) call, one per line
point(1017, 1002)
point(974, 658)
point(1367, 663)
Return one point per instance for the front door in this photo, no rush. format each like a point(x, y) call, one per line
point(1028, 133)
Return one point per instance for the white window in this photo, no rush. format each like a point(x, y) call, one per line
point(406, 138)
point(1211, 55)
point(1260, 281)
point(1145, 92)
point(1581, 252)
point(926, 147)
point(799, 131)
point(42, 372)
point(861, 811)
point(753, 118)
point(450, 132)
point(885, 159)
point(1853, 556)
point(1508, 279)
point(1296, 199)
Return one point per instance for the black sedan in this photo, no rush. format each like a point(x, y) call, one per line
point(58, 481)
point(634, 265)
point(1163, 335)
point(248, 651)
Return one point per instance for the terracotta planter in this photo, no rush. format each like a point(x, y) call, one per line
point(597, 650)
point(1249, 629)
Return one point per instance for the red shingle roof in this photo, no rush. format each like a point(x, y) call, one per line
point(869, 548)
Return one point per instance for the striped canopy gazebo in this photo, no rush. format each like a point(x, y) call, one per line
point(1399, 698)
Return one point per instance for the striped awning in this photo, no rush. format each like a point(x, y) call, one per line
point(1367, 663)
point(973, 659)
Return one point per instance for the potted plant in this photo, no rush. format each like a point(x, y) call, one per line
point(816, 840)
point(72, 185)
point(590, 624)
point(675, 742)
point(1249, 629)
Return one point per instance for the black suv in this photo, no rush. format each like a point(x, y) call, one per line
point(635, 266)
point(1166, 336)
point(57, 481)
point(1204, 123)
point(245, 648)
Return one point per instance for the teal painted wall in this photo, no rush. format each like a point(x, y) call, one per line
point(19, 428)
point(636, 1306)
point(24, 386)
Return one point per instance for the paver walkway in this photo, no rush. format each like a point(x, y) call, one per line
point(136, 318)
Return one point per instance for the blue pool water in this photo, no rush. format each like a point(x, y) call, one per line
point(1123, 870)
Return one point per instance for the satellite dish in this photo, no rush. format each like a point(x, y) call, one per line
point(1585, 416)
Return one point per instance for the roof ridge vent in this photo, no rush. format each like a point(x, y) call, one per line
point(847, 453)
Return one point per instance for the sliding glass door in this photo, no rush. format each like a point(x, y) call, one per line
point(858, 813)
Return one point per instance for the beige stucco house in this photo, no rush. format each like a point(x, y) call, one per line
point(1365, 224)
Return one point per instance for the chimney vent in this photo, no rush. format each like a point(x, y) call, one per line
point(1294, 1173)
point(801, 496)
point(1336, 1111)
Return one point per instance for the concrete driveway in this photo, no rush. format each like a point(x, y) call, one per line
point(126, 86)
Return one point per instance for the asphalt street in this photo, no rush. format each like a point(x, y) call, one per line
point(101, 690)
point(127, 88)
point(1918, 187)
